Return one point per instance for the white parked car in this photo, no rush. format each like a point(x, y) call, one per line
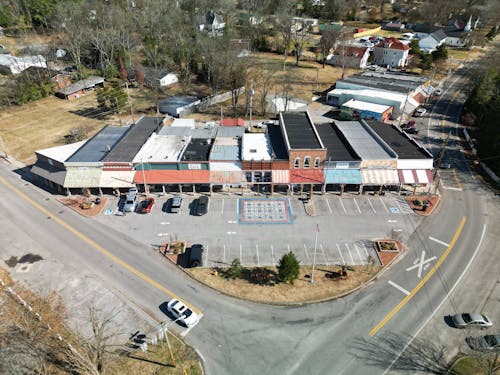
point(438, 92)
point(182, 312)
point(471, 320)
point(419, 112)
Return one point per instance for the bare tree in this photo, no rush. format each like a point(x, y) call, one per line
point(265, 78)
point(283, 24)
point(299, 40)
point(328, 41)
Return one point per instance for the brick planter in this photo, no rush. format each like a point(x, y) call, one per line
point(387, 250)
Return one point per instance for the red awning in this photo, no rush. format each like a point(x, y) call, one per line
point(232, 122)
point(415, 176)
point(185, 176)
point(306, 176)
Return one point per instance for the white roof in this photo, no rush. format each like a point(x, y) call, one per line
point(366, 92)
point(61, 153)
point(162, 148)
point(18, 64)
point(365, 106)
point(184, 122)
point(256, 147)
point(225, 166)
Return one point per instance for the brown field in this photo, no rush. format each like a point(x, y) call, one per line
point(301, 291)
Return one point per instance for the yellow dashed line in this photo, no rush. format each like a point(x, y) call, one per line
point(415, 290)
point(459, 184)
point(96, 245)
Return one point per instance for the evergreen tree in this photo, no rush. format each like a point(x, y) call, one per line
point(288, 268)
point(441, 53)
point(235, 271)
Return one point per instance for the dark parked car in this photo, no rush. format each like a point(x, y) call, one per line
point(195, 255)
point(202, 205)
point(146, 205)
point(410, 130)
point(175, 204)
point(488, 342)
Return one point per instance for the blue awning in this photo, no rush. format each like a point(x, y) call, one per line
point(342, 176)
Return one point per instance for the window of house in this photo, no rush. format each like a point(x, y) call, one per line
point(296, 163)
point(316, 162)
point(307, 161)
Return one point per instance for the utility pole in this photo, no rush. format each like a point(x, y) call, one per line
point(435, 177)
point(252, 92)
point(130, 103)
point(404, 107)
point(314, 256)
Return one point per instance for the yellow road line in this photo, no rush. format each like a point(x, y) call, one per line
point(415, 290)
point(459, 184)
point(95, 245)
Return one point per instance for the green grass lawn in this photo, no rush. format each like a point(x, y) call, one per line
point(470, 366)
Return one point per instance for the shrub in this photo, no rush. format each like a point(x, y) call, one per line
point(288, 268)
point(235, 271)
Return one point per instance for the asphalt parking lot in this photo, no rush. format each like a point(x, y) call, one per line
point(227, 235)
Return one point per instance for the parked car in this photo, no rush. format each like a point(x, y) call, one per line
point(131, 201)
point(182, 312)
point(445, 164)
point(202, 205)
point(260, 125)
point(419, 112)
point(410, 124)
point(195, 255)
point(146, 205)
point(471, 320)
point(488, 342)
point(410, 130)
point(175, 204)
point(438, 92)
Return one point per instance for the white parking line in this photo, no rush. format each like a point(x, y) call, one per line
point(364, 248)
point(400, 288)
point(206, 255)
point(381, 200)
point(184, 333)
point(258, 260)
point(231, 221)
point(288, 245)
point(305, 250)
point(328, 204)
point(272, 255)
point(164, 223)
point(349, 251)
point(224, 255)
point(356, 203)
point(162, 234)
point(371, 205)
point(359, 254)
point(439, 241)
point(342, 204)
point(222, 207)
point(340, 252)
point(324, 255)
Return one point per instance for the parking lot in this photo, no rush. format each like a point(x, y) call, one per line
point(226, 236)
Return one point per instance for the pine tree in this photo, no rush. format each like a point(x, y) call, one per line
point(288, 268)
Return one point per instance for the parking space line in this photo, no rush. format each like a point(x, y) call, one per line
point(328, 204)
point(357, 206)
point(383, 204)
point(305, 250)
point(206, 255)
point(224, 255)
point(324, 255)
point(222, 207)
point(349, 251)
point(288, 245)
point(371, 205)
point(342, 204)
point(400, 288)
point(364, 248)
point(397, 204)
point(439, 241)
point(340, 252)
point(272, 255)
point(359, 254)
point(258, 259)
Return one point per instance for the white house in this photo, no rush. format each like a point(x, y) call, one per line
point(456, 38)
point(155, 78)
point(432, 41)
point(350, 56)
point(13, 65)
point(391, 52)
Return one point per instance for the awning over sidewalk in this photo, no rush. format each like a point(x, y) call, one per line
point(83, 177)
point(379, 177)
point(280, 176)
point(49, 173)
point(415, 176)
point(306, 176)
point(342, 176)
point(185, 176)
point(226, 177)
point(117, 179)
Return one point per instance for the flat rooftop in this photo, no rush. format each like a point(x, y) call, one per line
point(134, 139)
point(99, 146)
point(225, 148)
point(162, 148)
point(277, 142)
point(300, 131)
point(366, 106)
point(256, 147)
point(337, 146)
point(362, 142)
point(386, 81)
point(230, 131)
point(197, 150)
point(403, 145)
point(61, 153)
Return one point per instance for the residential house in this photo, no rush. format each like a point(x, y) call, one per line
point(433, 41)
point(158, 78)
point(14, 65)
point(456, 38)
point(349, 56)
point(178, 105)
point(391, 52)
point(392, 26)
point(80, 88)
point(211, 23)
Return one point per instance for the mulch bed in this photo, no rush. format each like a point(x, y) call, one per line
point(387, 257)
point(74, 203)
point(433, 199)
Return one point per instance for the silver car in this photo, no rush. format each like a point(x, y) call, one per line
point(471, 320)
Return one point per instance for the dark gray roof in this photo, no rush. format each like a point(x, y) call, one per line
point(230, 131)
point(170, 105)
point(300, 131)
point(404, 146)
point(424, 28)
point(277, 142)
point(338, 149)
point(82, 84)
point(197, 150)
point(390, 81)
point(133, 140)
point(439, 35)
point(48, 172)
point(453, 32)
point(97, 147)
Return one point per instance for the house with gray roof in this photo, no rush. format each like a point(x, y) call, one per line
point(433, 41)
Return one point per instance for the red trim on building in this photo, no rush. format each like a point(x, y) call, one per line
point(232, 122)
point(307, 176)
point(185, 176)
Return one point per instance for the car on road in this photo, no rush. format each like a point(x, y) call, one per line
point(195, 255)
point(175, 204)
point(182, 312)
point(445, 164)
point(488, 342)
point(202, 205)
point(146, 205)
point(419, 112)
point(438, 92)
point(471, 320)
point(130, 201)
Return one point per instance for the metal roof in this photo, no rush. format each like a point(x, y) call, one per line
point(362, 141)
point(80, 85)
point(342, 176)
point(338, 148)
point(133, 140)
point(162, 148)
point(385, 81)
point(197, 150)
point(402, 144)
point(225, 148)
point(300, 131)
point(366, 106)
point(230, 131)
point(97, 147)
point(172, 104)
point(48, 172)
point(61, 153)
point(277, 142)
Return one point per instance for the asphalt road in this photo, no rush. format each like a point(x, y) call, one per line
point(362, 333)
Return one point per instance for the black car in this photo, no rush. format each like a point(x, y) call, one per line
point(195, 255)
point(410, 130)
point(202, 205)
